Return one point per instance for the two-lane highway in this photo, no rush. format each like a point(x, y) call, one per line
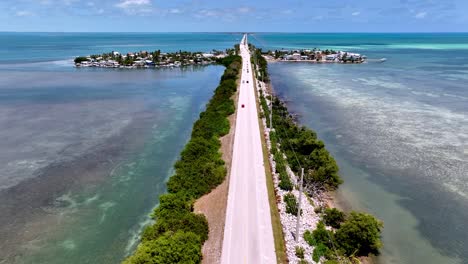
point(248, 234)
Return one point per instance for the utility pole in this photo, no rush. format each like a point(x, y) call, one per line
point(271, 111)
point(299, 206)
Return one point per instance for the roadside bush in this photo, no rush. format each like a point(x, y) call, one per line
point(300, 252)
point(284, 179)
point(188, 222)
point(178, 247)
point(319, 251)
point(359, 235)
point(226, 61)
point(285, 182)
point(291, 203)
point(333, 217)
point(199, 170)
point(322, 235)
point(262, 65)
point(309, 238)
point(171, 204)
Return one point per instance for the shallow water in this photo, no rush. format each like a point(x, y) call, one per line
point(85, 153)
point(398, 131)
point(84, 164)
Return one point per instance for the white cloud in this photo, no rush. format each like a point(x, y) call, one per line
point(356, 13)
point(135, 6)
point(287, 12)
point(421, 15)
point(244, 10)
point(23, 13)
point(207, 13)
point(126, 4)
point(175, 11)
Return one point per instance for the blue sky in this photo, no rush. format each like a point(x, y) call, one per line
point(221, 16)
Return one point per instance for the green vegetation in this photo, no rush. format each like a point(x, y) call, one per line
point(319, 251)
point(322, 236)
point(316, 54)
point(264, 105)
point(155, 58)
point(359, 235)
point(291, 203)
point(237, 49)
point(81, 59)
point(178, 247)
point(284, 180)
point(333, 217)
point(300, 252)
point(302, 148)
point(261, 63)
point(178, 234)
point(309, 238)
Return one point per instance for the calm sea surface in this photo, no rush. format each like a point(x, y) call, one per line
point(398, 129)
point(85, 152)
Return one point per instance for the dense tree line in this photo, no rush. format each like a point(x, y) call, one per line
point(178, 233)
point(302, 148)
point(261, 62)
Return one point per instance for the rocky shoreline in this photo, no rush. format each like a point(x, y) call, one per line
point(309, 217)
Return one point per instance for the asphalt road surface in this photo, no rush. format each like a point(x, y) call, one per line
point(248, 234)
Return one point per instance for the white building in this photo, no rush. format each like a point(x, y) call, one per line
point(296, 56)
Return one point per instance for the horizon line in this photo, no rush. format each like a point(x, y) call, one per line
point(250, 32)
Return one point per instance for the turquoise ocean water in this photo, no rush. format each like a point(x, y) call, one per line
point(85, 152)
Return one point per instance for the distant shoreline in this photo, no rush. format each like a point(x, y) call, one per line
point(155, 59)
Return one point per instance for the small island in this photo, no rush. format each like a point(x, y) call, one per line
point(155, 59)
point(315, 56)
